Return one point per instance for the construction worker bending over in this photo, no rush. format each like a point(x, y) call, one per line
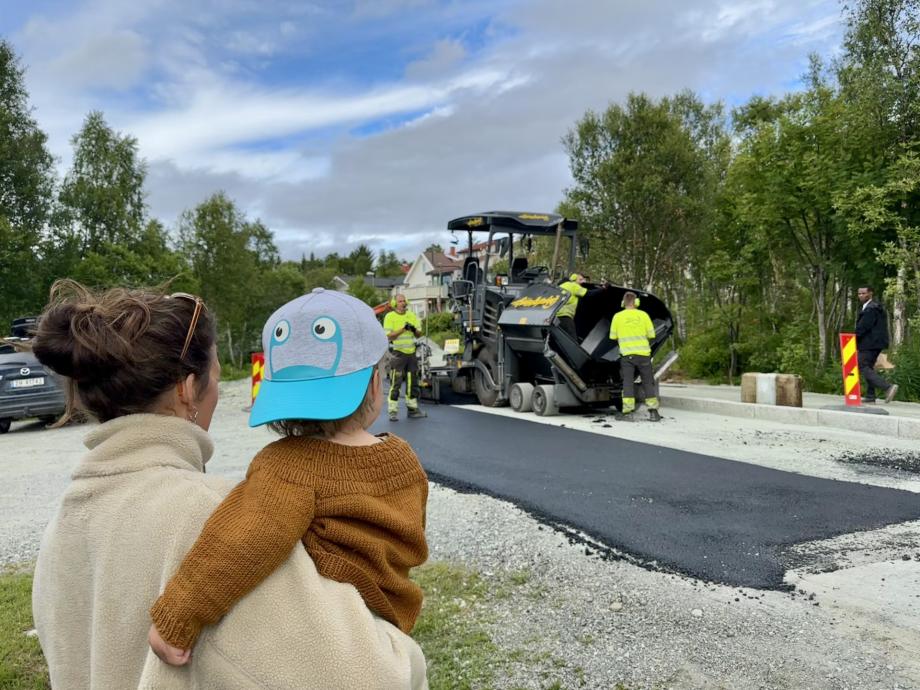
point(575, 288)
point(403, 327)
point(633, 330)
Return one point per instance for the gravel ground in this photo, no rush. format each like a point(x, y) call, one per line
point(577, 620)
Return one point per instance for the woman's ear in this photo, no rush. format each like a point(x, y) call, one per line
point(186, 389)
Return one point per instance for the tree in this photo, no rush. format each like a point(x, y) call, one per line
point(102, 197)
point(879, 73)
point(101, 233)
point(368, 294)
point(791, 169)
point(360, 261)
point(388, 265)
point(26, 188)
point(235, 263)
point(436, 248)
point(644, 176)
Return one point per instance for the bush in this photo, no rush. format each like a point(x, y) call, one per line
point(439, 321)
point(440, 326)
point(907, 371)
point(705, 356)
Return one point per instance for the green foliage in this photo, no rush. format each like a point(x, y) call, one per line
point(907, 371)
point(438, 321)
point(235, 264)
point(705, 356)
point(440, 326)
point(366, 293)
point(101, 202)
point(388, 265)
point(645, 175)
point(22, 666)
point(26, 194)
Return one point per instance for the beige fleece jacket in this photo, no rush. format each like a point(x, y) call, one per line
point(137, 502)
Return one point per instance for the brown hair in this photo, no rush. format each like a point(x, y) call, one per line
point(121, 349)
point(327, 428)
point(629, 298)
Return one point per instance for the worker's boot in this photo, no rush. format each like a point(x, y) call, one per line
point(394, 416)
point(416, 413)
point(653, 416)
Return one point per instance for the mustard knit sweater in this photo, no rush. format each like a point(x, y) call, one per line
point(359, 510)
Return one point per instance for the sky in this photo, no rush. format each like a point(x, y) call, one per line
point(339, 122)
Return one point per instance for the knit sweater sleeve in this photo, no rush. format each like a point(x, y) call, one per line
point(249, 535)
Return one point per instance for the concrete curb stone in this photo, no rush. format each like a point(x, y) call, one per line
point(898, 427)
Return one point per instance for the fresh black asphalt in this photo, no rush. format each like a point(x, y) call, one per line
point(719, 520)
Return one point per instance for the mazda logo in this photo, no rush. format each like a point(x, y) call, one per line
point(25, 371)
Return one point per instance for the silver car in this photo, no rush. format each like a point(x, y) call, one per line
point(27, 389)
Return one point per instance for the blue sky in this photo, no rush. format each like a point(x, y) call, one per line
point(378, 120)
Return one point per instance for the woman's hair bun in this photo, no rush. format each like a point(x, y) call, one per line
point(84, 337)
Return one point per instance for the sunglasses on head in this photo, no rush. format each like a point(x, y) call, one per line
point(199, 305)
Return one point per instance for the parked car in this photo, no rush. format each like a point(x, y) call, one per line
point(26, 388)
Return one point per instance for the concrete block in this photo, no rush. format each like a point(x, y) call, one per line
point(749, 387)
point(865, 423)
point(766, 389)
point(771, 389)
point(789, 390)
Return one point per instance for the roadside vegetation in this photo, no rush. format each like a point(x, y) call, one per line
point(22, 666)
point(755, 225)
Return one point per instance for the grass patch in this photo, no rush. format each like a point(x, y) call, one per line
point(451, 629)
point(22, 666)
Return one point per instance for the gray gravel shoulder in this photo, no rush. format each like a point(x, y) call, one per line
point(573, 618)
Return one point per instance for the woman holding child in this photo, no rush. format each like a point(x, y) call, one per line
point(145, 366)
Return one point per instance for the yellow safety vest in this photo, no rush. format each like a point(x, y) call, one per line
point(575, 291)
point(633, 329)
point(405, 342)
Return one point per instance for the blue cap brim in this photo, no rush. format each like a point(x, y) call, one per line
point(325, 399)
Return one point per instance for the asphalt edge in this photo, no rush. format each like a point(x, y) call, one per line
point(897, 427)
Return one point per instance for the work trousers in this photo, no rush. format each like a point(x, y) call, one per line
point(567, 323)
point(866, 359)
point(629, 366)
point(403, 367)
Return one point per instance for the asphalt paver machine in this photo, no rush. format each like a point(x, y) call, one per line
point(513, 352)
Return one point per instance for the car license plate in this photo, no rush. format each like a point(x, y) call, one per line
point(28, 383)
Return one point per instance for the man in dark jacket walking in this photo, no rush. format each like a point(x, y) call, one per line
point(871, 339)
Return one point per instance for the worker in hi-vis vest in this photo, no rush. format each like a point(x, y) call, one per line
point(403, 327)
point(565, 317)
point(633, 330)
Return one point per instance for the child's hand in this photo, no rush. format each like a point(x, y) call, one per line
point(165, 651)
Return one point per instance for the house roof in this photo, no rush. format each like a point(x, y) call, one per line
point(441, 263)
point(373, 281)
point(478, 247)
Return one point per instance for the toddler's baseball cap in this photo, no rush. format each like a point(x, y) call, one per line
point(320, 351)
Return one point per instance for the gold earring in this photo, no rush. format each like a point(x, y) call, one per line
point(193, 415)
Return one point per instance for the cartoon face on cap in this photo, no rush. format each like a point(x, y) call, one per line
point(324, 345)
point(320, 351)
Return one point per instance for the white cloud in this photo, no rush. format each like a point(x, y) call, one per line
point(225, 115)
point(444, 56)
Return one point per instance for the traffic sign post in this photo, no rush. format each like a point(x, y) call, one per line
point(258, 367)
point(851, 392)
